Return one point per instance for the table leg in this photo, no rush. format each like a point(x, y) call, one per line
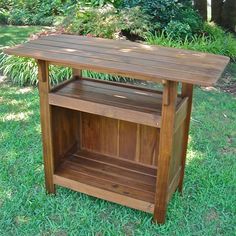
point(165, 150)
point(187, 91)
point(45, 115)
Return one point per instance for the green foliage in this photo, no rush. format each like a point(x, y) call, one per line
point(107, 21)
point(134, 22)
point(169, 14)
point(39, 12)
point(178, 30)
point(100, 3)
point(4, 14)
point(215, 40)
point(100, 22)
point(23, 71)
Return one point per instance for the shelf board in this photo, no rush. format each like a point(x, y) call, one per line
point(114, 179)
point(112, 100)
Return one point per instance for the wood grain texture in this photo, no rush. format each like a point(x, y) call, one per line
point(46, 125)
point(126, 59)
point(124, 103)
point(118, 138)
point(103, 194)
point(187, 91)
point(102, 172)
point(65, 132)
point(165, 152)
point(99, 134)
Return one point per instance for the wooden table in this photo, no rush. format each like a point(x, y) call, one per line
point(119, 142)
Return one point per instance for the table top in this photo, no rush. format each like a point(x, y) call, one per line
point(124, 58)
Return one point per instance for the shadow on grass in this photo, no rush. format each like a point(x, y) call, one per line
point(206, 208)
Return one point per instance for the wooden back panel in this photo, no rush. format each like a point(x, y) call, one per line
point(119, 138)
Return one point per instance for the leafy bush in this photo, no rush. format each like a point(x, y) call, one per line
point(133, 21)
point(3, 16)
point(24, 71)
point(96, 3)
point(38, 12)
point(107, 22)
point(169, 14)
point(178, 30)
point(215, 40)
point(100, 22)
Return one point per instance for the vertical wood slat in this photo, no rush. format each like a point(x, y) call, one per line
point(138, 141)
point(76, 73)
point(45, 116)
point(165, 151)
point(187, 91)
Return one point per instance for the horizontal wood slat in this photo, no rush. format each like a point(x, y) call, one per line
point(111, 174)
point(109, 100)
point(125, 58)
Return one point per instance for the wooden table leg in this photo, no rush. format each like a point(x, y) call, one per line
point(45, 115)
point(166, 149)
point(187, 91)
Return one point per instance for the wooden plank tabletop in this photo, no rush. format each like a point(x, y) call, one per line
point(124, 58)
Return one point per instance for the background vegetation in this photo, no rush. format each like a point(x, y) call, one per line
point(207, 206)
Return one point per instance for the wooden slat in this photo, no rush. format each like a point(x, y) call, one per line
point(162, 63)
point(125, 164)
point(127, 46)
point(114, 170)
point(122, 103)
point(118, 68)
point(162, 57)
point(127, 140)
point(173, 185)
point(99, 134)
point(101, 172)
point(126, 59)
point(149, 144)
point(187, 91)
point(103, 194)
point(181, 113)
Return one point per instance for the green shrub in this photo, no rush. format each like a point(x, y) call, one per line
point(100, 22)
point(96, 3)
point(107, 22)
point(38, 12)
point(215, 40)
point(24, 71)
point(4, 15)
point(169, 14)
point(178, 30)
point(133, 21)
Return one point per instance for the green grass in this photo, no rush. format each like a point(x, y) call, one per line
point(207, 206)
point(15, 34)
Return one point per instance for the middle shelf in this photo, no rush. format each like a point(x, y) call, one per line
point(119, 101)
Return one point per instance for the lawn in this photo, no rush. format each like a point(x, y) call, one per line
point(207, 206)
point(15, 34)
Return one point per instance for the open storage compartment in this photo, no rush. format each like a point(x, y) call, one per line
point(106, 140)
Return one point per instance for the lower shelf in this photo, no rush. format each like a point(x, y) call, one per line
point(113, 179)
